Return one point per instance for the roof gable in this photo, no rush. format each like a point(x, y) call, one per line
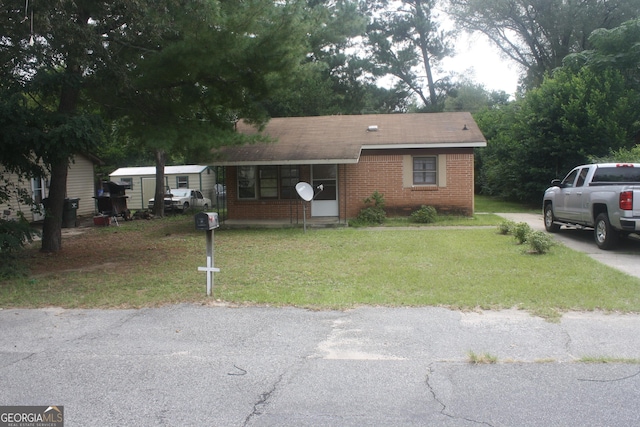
point(340, 139)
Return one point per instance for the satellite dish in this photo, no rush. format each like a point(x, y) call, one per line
point(305, 191)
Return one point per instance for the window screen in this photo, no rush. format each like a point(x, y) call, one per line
point(424, 170)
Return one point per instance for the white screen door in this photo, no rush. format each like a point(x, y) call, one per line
point(326, 202)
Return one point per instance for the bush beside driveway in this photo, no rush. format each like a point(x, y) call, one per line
point(625, 258)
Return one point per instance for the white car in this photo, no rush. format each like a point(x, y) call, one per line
point(181, 199)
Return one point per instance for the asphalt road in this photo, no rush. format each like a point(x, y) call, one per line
point(188, 365)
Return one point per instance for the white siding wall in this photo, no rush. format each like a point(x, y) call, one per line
point(80, 185)
point(12, 205)
point(136, 198)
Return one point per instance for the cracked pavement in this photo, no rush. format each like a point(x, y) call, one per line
point(187, 365)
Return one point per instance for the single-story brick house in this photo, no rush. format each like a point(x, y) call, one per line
point(412, 159)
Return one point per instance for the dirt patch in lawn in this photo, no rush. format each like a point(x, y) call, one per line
point(90, 248)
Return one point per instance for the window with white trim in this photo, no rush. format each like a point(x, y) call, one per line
point(425, 170)
point(128, 183)
point(182, 182)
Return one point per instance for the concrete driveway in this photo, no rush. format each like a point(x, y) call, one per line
point(625, 258)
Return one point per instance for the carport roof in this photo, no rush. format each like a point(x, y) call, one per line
point(341, 139)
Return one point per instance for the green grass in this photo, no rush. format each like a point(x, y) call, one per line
point(495, 205)
point(482, 359)
point(454, 268)
point(150, 263)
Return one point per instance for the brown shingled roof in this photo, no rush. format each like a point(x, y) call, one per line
point(340, 139)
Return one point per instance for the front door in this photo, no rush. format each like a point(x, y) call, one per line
point(38, 193)
point(326, 202)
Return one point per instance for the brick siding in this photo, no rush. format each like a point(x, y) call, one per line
point(373, 172)
point(263, 209)
point(384, 174)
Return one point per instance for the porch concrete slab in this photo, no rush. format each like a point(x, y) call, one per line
point(321, 222)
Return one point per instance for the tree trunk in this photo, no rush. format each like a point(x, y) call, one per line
point(52, 226)
point(422, 20)
point(158, 204)
point(59, 162)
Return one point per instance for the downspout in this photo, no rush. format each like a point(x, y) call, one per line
point(345, 193)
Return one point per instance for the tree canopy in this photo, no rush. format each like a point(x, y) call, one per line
point(208, 65)
point(171, 75)
point(404, 40)
point(586, 109)
point(538, 34)
point(46, 53)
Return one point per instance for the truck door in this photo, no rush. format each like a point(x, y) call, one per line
point(199, 198)
point(564, 197)
point(576, 203)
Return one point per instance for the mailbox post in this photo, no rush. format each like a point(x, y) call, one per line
point(208, 221)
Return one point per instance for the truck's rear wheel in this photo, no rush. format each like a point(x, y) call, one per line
point(549, 225)
point(606, 237)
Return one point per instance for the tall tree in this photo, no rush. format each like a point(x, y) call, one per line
point(404, 40)
point(174, 73)
point(538, 34)
point(332, 78)
point(46, 52)
point(585, 110)
point(472, 97)
point(615, 48)
point(562, 123)
point(207, 65)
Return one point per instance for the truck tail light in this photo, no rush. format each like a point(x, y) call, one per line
point(626, 200)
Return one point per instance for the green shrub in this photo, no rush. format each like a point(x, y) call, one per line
point(424, 215)
point(506, 227)
point(540, 242)
point(373, 214)
point(521, 232)
point(376, 199)
point(13, 236)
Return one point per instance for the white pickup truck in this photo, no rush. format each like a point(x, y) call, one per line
point(181, 199)
point(605, 197)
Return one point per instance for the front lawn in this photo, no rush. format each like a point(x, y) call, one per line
point(150, 263)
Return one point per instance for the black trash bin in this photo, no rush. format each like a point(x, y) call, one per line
point(70, 213)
